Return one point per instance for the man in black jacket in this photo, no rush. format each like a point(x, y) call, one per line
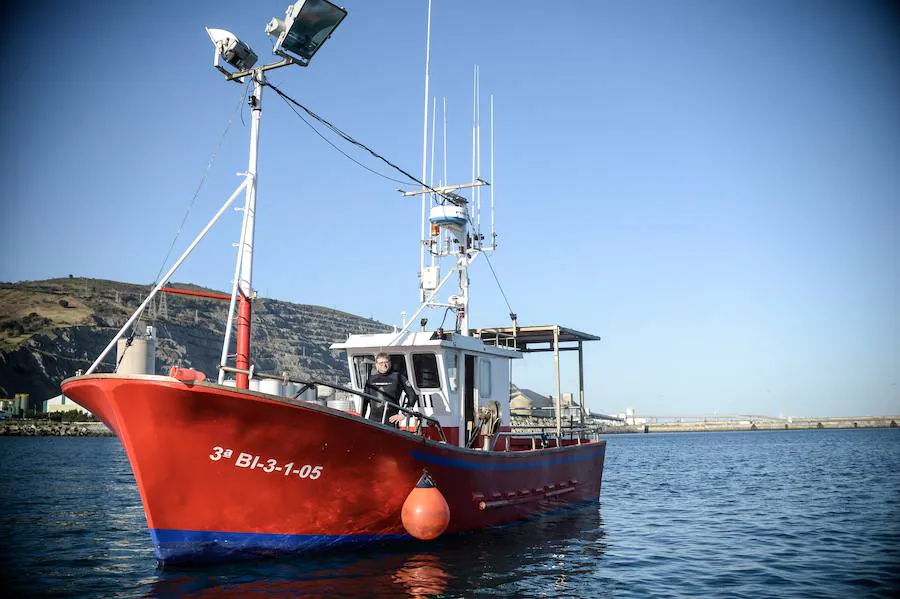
point(387, 384)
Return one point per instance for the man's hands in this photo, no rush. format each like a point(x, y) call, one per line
point(398, 417)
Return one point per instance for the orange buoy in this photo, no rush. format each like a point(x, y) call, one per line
point(425, 514)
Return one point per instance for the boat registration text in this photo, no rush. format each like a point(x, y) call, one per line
point(255, 462)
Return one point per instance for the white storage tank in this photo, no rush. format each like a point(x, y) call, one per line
point(341, 401)
point(308, 395)
point(291, 390)
point(140, 356)
point(271, 386)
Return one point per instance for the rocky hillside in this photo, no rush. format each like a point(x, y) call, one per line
point(49, 329)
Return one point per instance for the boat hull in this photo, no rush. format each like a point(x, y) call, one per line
point(224, 473)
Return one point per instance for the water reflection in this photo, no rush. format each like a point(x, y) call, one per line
point(565, 548)
point(422, 575)
point(378, 575)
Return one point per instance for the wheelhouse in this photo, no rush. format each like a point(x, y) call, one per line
point(457, 377)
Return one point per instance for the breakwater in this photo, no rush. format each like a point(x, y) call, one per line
point(47, 428)
point(797, 424)
point(98, 429)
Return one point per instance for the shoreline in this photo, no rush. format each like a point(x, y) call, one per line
point(793, 424)
point(44, 428)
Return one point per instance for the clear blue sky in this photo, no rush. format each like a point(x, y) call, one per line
point(712, 187)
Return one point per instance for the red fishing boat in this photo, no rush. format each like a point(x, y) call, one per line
point(261, 464)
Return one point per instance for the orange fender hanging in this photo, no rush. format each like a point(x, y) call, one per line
point(186, 374)
point(425, 514)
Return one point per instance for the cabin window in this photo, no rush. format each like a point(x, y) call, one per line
point(426, 370)
point(398, 364)
point(452, 371)
point(484, 379)
point(364, 366)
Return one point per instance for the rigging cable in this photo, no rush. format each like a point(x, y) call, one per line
point(187, 213)
point(347, 137)
point(328, 141)
point(499, 286)
point(351, 140)
point(209, 166)
point(491, 266)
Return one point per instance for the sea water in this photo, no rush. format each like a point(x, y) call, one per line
point(750, 514)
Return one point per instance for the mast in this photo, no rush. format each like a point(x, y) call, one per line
point(453, 219)
point(307, 25)
point(245, 278)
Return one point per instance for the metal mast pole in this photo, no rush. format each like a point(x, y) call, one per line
point(425, 198)
point(245, 278)
point(581, 379)
point(558, 387)
point(463, 266)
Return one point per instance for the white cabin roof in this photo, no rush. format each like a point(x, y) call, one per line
point(422, 339)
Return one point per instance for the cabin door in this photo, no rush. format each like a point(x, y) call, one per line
point(469, 398)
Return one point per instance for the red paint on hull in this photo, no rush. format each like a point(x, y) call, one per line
point(177, 435)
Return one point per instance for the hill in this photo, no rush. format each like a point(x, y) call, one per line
point(51, 328)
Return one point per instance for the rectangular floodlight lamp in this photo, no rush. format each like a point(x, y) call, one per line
point(307, 24)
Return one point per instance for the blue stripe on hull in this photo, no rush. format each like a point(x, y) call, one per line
point(183, 546)
point(197, 547)
point(518, 464)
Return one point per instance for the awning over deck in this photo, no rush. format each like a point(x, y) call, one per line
point(538, 338)
point(545, 338)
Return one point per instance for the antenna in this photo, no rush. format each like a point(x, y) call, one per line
point(425, 155)
point(478, 147)
point(493, 233)
point(474, 117)
point(433, 129)
point(452, 231)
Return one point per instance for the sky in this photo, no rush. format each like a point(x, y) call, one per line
point(711, 187)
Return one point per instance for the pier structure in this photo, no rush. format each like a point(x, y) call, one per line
point(744, 422)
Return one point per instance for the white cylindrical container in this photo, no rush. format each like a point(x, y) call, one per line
point(137, 358)
point(254, 384)
point(341, 404)
point(230, 383)
point(270, 386)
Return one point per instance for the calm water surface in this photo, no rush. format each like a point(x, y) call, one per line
point(757, 514)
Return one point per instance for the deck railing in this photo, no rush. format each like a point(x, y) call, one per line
point(546, 435)
point(307, 384)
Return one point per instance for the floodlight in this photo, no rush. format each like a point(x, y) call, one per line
point(307, 25)
point(235, 52)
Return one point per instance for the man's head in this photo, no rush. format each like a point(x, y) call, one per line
point(382, 363)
